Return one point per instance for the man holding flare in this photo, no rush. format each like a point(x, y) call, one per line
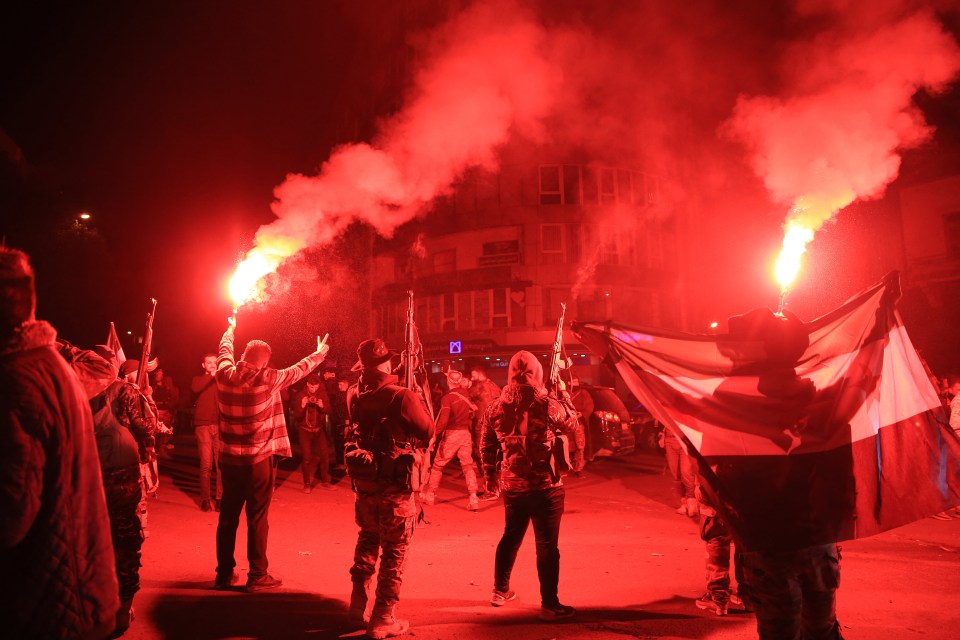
point(253, 434)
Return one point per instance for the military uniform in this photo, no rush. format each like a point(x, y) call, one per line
point(455, 423)
point(385, 459)
point(124, 427)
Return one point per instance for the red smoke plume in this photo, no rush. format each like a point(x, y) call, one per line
point(486, 76)
point(835, 132)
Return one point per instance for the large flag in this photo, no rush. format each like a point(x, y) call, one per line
point(845, 440)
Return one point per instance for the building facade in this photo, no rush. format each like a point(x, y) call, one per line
point(491, 264)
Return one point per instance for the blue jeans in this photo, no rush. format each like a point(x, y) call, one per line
point(543, 507)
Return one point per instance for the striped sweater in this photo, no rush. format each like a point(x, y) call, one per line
point(252, 426)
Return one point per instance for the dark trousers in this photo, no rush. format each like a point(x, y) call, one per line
point(124, 489)
point(250, 485)
point(543, 507)
point(795, 593)
point(316, 452)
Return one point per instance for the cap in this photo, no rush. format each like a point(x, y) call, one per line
point(129, 366)
point(371, 353)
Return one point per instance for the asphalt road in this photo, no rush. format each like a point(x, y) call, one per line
point(629, 565)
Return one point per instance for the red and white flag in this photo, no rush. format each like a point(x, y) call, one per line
point(113, 343)
point(848, 440)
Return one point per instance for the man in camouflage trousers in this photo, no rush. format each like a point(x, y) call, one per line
point(384, 457)
point(455, 426)
point(124, 424)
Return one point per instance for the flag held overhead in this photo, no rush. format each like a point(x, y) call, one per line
point(806, 433)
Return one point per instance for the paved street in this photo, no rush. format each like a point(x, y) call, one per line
point(629, 564)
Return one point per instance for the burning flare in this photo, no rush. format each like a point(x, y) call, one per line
point(243, 285)
point(795, 241)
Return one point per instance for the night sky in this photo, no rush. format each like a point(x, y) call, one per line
point(173, 124)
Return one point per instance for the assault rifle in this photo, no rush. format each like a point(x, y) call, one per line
point(413, 364)
point(560, 460)
point(148, 469)
point(143, 378)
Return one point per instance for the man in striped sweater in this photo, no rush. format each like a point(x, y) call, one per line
point(253, 433)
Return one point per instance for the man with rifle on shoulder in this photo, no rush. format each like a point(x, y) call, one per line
point(385, 458)
point(384, 462)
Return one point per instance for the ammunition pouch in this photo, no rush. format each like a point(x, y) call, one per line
point(401, 468)
point(361, 464)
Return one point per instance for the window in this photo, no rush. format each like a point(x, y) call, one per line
point(551, 243)
point(573, 243)
point(590, 183)
point(481, 309)
point(518, 308)
point(434, 320)
point(608, 186)
point(500, 252)
point(624, 195)
point(464, 310)
point(550, 185)
point(445, 261)
point(449, 312)
point(638, 188)
point(571, 184)
point(609, 253)
point(500, 315)
point(560, 184)
point(551, 304)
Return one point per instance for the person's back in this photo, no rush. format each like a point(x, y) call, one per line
point(55, 551)
point(253, 434)
point(383, 457)
point(519, 434)
point(522, 427)
point(252, 422)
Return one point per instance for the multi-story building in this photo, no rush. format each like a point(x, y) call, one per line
point(491, 264)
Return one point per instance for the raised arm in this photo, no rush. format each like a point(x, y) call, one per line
point(290, 375)
point(225, 355)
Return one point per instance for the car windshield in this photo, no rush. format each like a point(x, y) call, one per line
point(607, 400)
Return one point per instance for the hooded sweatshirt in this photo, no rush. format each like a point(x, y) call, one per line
point(519, 429)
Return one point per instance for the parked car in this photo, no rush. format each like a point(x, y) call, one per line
point(646, 429)
point(605, 421)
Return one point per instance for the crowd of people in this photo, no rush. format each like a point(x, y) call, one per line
point(78, 431)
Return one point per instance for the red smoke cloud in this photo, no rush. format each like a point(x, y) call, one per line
point(486, 75)
point(835, 132)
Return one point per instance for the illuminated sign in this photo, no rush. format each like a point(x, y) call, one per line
point(456, 346)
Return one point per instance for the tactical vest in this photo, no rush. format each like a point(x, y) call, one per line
point(380, 455)
point(115, 443)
